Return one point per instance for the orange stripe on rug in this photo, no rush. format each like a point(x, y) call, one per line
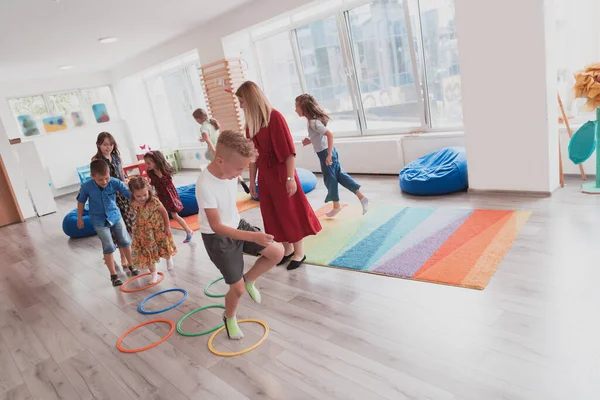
point(488, 263)
point(325, 209)
point(479, 221)
point(456, 265)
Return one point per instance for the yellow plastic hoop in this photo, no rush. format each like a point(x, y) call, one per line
point(238, 353)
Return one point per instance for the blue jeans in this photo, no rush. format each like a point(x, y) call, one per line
point(122, 237)
point(333, 175)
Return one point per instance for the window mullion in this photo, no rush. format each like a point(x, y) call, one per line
point(350, 70)
point(296, 52)
point(421, 92)
point(424, 76)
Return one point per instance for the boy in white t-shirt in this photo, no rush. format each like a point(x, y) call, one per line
point(226, 236)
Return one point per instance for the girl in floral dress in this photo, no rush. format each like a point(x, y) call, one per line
point(160, 174)
point(152, 239)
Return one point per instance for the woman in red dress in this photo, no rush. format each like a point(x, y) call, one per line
point(286, 213)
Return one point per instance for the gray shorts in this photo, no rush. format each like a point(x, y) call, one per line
point(228, 254)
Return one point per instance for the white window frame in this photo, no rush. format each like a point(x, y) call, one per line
point(341, 14)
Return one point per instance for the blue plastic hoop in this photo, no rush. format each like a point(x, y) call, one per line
point(142, 311)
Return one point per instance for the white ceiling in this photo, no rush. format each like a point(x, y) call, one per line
point(39, 36)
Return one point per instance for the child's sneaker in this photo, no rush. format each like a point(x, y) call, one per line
point(115, 280)
point(134, 272)
point(188, 237)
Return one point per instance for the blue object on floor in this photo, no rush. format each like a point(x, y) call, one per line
point(441, 172)
point(187, 194)
point(70, 225)
point(308, 181)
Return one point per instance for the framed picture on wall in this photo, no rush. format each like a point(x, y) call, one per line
point(77, 118)
point(28, 125)
point(53, 124)
point(100, 113)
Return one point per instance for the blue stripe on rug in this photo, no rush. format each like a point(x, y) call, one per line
point(412, 219)
point(359, 255)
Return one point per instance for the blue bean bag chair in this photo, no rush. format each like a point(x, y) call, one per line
point(308, 180)
point(70, 225)
point(187, 194)
point(441, 172)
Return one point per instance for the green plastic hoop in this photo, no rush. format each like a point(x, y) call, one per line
point(213, 295)
point(186, 316)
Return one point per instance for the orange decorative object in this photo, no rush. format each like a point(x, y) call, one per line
point(587, 85)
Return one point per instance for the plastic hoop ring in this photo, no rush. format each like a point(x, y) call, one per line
point(186, 316)
point(162, 277)
point(213, 295)
point(142, 311)
point(238, 353)
point(166, 321)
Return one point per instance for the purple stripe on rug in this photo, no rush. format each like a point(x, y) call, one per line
point(407, 263)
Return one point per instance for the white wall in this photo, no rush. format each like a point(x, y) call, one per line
point(61, 152)
point(509, 94)
point(136, 110)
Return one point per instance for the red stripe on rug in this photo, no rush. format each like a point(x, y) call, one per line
point(478, 222)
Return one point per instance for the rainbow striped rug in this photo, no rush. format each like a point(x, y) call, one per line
point(459, 247)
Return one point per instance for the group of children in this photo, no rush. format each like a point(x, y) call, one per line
point(225, 234)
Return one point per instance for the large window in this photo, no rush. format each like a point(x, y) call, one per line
point(280, 76)
point(175, 91)
point(51, 112)
point(385, 66)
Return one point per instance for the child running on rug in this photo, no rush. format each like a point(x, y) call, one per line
point(322, 140)
point(161, 177)
point(226, 236)
point(209, 134)
point(101, 191)
point(152, 239)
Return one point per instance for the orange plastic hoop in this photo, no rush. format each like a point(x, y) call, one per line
point(166, 321)
point(162, 276)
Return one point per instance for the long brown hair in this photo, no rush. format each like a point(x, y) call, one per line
point(201, 115)
point(257, 109)
point(101, 137)
point(311, 108)
point(160, 161)
point(139, 183)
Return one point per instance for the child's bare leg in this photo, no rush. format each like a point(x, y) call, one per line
point(170, 263)
point(126, 251)
point(181, 222)
point(232, 300)
point(184, 225)
point(124, 262)
point(109, 260)
point(153, 273)
point(360, 195)
point(268, 259)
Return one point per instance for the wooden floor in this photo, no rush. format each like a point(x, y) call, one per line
point(533, 333)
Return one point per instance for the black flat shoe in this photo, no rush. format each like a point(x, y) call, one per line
point(295, 264)
point(285, 259)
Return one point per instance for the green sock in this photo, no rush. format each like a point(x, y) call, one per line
point(233, 330)
point(253, 291)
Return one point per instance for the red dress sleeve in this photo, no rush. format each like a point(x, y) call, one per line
point(283, 144)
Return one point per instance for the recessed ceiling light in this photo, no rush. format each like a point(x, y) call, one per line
point(66, 67)
point(107, 40)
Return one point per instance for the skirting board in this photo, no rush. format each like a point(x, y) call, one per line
point(512, 192)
